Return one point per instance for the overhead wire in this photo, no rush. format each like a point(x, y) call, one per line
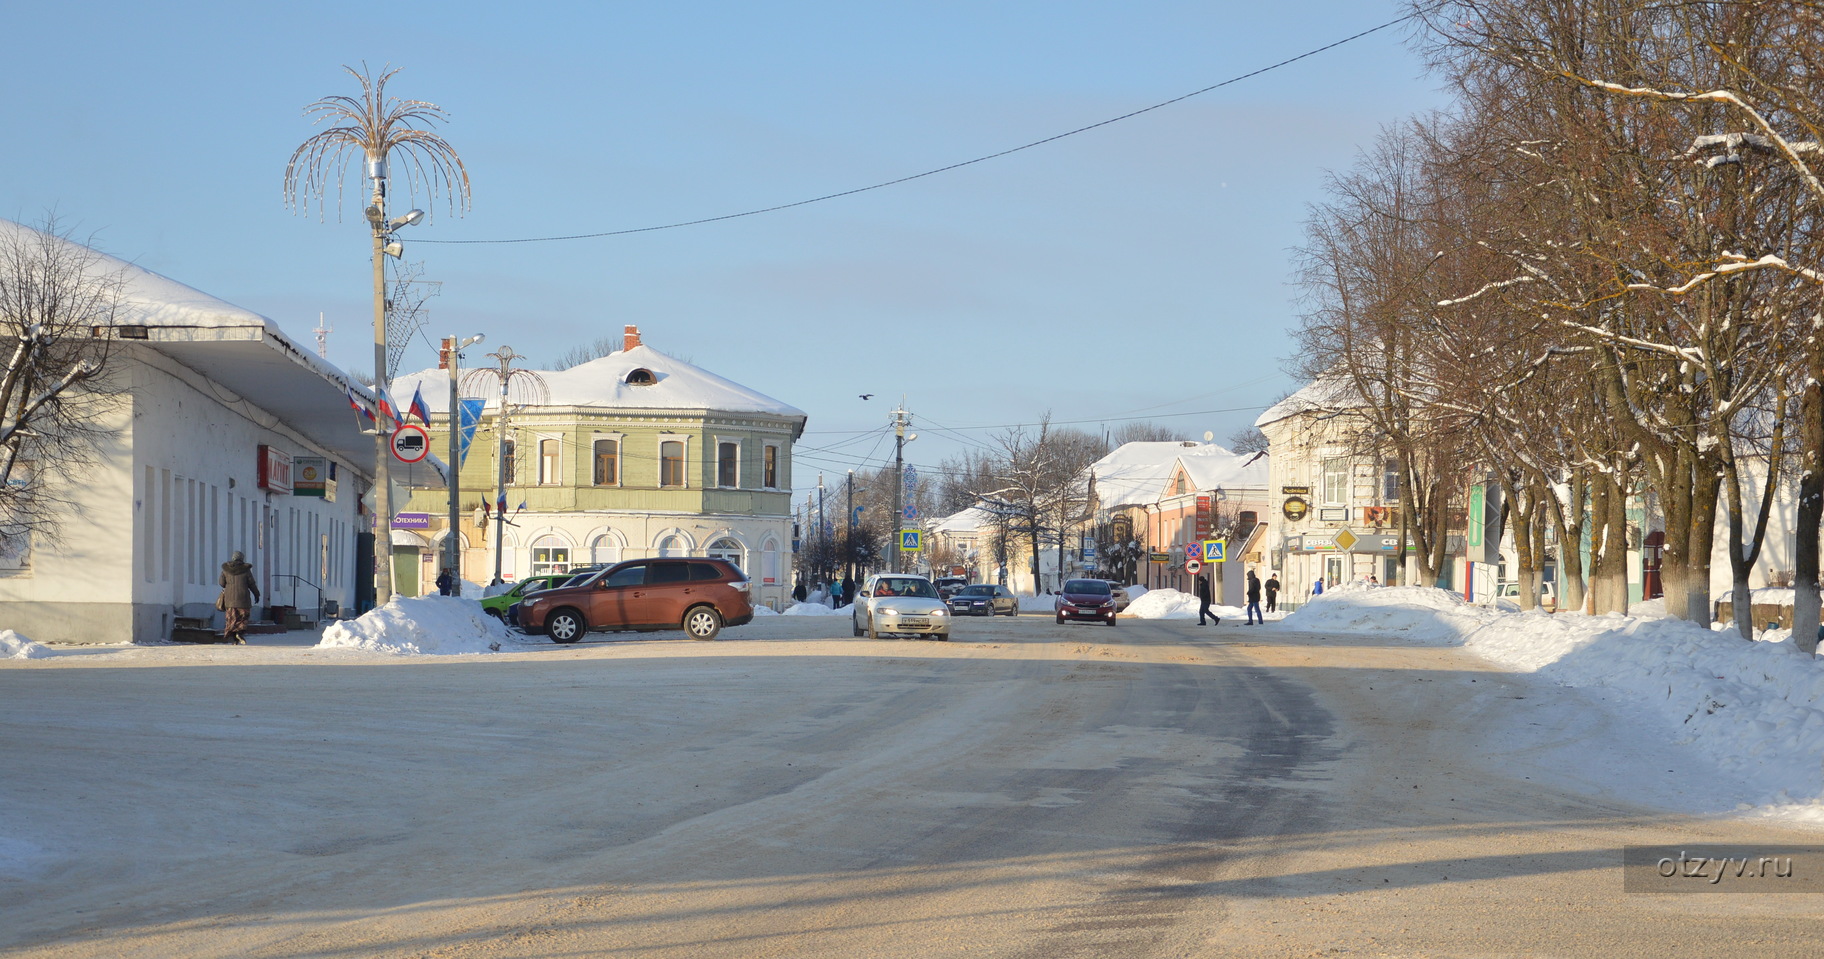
point(942, 169)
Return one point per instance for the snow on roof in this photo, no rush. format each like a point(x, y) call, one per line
point(1137, 473)
point(605, 382)
point(968, 521)
point(1326, 393)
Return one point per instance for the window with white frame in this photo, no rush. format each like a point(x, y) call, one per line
point(730, 550)
point(1336, 481)
point(605, 549)
point(673, 546)
point(550, 467)
point(728, 464)
point(607, 461)
point(671, 463)
point(550, 555)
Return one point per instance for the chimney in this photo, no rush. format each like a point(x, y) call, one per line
point(630, 337)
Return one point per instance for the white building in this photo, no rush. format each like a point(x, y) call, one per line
point(219, 413)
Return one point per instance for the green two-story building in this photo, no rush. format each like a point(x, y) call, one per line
point(631, 455)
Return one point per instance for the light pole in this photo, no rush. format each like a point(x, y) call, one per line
point(384, 246)
point(452, 548)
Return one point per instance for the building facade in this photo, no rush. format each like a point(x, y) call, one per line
point(631, 455)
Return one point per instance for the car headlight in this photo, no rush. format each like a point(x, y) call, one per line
point(528, 603)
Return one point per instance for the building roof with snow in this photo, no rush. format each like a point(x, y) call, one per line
point(637, 377)
point(1137, 473)
point(234, 348)
point(1328, 393)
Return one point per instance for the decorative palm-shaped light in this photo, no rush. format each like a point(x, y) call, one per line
point(376, 128)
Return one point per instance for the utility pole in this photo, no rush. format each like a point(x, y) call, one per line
point(849, 537)
point(451, 355)
point(823, 533)
point(899, 482)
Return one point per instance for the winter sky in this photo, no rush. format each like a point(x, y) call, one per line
point(1138, 270)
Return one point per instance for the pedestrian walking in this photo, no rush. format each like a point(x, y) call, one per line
point(1273, 593)
point(1203, 603)
point(836, 594)
point(798, 591)
point(1254, 614)
point(848, 587)
point(446, 582)
point(238, 596)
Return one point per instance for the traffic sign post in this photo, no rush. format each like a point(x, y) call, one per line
point(411, 443)
point(1192, 566)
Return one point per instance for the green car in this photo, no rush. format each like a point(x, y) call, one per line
point(496, 606)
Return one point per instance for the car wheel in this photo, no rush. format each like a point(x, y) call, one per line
point(1060, 619)
point(565, 626)
point(941, 637)
point(497, 614)
point(873, 633)
point(855, 624)
point(702, 622)
point(1111, 620)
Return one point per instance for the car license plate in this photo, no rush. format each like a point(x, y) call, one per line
point(914, 621)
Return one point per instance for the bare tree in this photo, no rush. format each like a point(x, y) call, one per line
point(59, 307)
point(584, 352)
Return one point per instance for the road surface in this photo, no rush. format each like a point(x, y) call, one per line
point(1030, 790)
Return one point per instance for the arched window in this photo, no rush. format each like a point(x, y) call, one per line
point(604, 549)
point(673, 546)
point(731, 550)
point(550, 555)
point(769, 563)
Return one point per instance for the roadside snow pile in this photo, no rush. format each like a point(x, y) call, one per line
point(1756, 709)
point(1135, 592)
point(765, 611)
point(1170, 604)
point(810, 609)
point(423, 626)
point(15, 646)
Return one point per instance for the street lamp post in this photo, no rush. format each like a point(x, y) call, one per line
point(384, 246)
point(453, 545)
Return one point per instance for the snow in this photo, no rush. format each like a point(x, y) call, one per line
point(1137, 473)
point(426, 626)
point(811, 609)
point(1754, 709)
point(1170, 604)
point(15, 646)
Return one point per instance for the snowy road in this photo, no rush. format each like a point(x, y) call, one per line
point(1028, 790)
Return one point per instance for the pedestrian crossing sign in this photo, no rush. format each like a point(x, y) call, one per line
point(1214, 550)
point(911, 540)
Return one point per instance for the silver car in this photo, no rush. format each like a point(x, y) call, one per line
point(890, 603)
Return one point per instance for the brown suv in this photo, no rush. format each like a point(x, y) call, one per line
point(698, 595)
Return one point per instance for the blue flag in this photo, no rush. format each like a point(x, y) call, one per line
point(470, 417)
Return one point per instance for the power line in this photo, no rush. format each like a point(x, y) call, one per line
point(943, 169)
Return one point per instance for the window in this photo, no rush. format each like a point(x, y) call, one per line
point(1390, 483)
point(549, 555)
point(605, 549)
point(770, 479)
point(728, 464)
point(671, 463)
point(728, 549)
point(1336, 480)
point(506, 459)
point(628, 576)
point(548, 473)
point(607, 462)
point(672, 546)
point(669, 573)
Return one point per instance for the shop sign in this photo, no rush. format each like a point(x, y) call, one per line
point(412, 521)
point(1295, 508)
point(274, 470)
point(1159, 557)
point(313, 476)
point(1295, 490)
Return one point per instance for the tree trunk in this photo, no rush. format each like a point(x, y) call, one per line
point(1810, 508)
point(1609, 523)
point(1704, 495)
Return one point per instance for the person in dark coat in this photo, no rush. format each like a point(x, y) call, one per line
point(1203, 603)
point(446, 583)
point(798, 590)
point(238, 596)
point(1273, 593)
point(1254, 613)
point(848, 588)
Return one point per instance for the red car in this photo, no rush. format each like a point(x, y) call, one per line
point(695, 594)
point(1086, 599)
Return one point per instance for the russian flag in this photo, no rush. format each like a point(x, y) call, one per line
point(356, 403)
point(386, 404)
point(418, 409)
point(501, 507)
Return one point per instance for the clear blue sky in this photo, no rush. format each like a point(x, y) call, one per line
point(1141, 269)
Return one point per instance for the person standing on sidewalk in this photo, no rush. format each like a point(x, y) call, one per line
point(1254, 613)
point(1273, 593)
point(1203, 602)
point(238, 596)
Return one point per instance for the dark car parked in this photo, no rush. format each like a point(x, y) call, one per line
point(1086, 599)
point(983, 599)
point(697, 595)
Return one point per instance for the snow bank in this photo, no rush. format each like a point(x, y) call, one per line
point(424, 626)
point(765, 611)
point(1755, 709)
point(1171, 604)
point(811, 609)
point(15, 646)
point(1135, 592)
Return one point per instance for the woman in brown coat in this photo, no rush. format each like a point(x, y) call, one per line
point(238, 596)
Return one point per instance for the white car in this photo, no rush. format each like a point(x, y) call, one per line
point(890, 603)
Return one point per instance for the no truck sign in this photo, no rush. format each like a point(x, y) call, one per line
point(411, 444)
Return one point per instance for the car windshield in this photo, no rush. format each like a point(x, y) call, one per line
point(1093, 587)
point(920, 588)
point(977, 591)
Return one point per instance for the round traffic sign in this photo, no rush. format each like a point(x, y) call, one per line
point(1192, 566)
point(411, 443)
